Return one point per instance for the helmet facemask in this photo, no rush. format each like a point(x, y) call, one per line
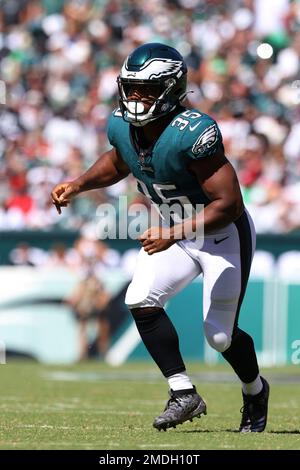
point(159, 67)
point(133, 110)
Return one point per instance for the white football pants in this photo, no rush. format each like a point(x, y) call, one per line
point(224, 259)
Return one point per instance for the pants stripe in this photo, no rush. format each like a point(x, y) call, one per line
point(246, 254)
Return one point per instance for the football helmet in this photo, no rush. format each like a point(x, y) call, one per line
point(154, 65)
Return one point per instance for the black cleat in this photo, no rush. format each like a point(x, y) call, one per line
point(255, 410)
point(182, 406)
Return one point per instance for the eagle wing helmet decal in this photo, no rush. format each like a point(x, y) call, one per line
point(155, 68)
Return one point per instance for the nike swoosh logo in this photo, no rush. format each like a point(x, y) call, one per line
point(192, 128)
point(216, 242)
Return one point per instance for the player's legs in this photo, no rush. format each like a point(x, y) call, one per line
point(225, 259)
point(156, 279)
point(226, 266)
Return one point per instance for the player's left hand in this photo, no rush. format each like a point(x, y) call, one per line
point(156, 239)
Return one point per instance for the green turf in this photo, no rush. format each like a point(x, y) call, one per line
point(96, 407)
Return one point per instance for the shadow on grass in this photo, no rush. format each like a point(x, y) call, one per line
point(294, 431)
point(191, 431)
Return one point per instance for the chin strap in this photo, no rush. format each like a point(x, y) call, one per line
point(184, 95)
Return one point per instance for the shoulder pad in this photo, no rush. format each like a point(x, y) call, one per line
point(201, 137)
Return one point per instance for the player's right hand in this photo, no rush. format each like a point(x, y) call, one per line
point(62, 194)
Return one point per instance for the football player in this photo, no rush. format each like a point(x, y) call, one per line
point(177, 154)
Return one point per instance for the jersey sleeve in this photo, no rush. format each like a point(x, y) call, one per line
point(112, 131)
point(202, 138)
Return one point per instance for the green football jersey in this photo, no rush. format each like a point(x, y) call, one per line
point(163, 170)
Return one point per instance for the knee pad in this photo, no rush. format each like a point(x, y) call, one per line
point(217, 339)
point(141, 297)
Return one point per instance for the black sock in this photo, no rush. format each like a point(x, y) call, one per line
point(160, 338)
point(242, 357)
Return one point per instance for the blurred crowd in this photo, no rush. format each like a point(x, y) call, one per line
point(59, 61)
point(97, 298)
point(86, 256)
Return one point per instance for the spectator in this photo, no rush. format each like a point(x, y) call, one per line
point(59, 61)
point(89, 300)
point(25, 255)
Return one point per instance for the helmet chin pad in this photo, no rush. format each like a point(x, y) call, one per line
point(135, 107)
point(136, 115)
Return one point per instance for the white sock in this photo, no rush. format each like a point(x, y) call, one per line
point(180, 381)
point(253, 388)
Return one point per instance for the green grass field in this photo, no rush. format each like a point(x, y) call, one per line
point(92, 406)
